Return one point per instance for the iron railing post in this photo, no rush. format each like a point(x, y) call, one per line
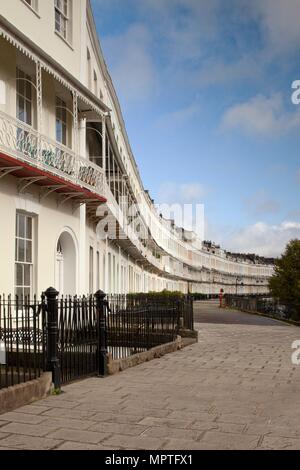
point(52, 336)
point(101, 305)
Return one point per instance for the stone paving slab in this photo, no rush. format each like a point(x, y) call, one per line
point(235, 389)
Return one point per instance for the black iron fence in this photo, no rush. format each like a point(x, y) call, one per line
point(22, 353)
point(72, 336)
point(78, 340)
point(140, 323)
point(261, 304)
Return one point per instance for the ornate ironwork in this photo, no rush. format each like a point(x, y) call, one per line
point(22, 141)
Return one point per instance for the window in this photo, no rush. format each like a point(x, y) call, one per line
point(95, 83)
point(24, 255)
point(32, 3)
point(98, 271)
point(61, 121)
point(109, 274)
point(24, 97)
point(91, 273)
point(62, 17)
point(89, 69)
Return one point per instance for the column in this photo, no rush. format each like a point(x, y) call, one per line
point(83, 268)
point(104, 150)
point(106, 266)
point(75, 125)
point(39, 107)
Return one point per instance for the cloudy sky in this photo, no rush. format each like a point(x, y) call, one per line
point(205, 90)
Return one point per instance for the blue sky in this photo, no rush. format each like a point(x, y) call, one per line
point(205, 90)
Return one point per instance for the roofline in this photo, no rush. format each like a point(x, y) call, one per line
point(54, 64)
point(91, 18)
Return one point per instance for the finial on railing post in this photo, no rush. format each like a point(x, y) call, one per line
point(52, 336)
point(101, 305)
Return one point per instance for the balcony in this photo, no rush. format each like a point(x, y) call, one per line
point(35, 158)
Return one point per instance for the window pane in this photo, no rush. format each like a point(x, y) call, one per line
point(58, 131)
point(27, 292)
point(21, 108)
point(28, 252)
point(21, 226)
point(27, 276)
point(19, 292)
point(64, 135)
point(64, 27)
point(28, 88)
point(57, 21)
point(29, 228)
point(28, 112)
point(19, 275)
point(21, 250)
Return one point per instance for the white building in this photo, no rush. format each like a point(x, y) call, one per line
point(65, 158)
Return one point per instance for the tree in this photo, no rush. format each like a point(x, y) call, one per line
point(285, 282)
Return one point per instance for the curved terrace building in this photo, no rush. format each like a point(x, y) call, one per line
point(68, 178)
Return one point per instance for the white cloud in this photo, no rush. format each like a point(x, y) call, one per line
point(186, 193)
point(280, 22)
point(179, 117)
point(295, 214)
point(261, 115)
point(132, 66)
point(184, 204)
point(194, 32)
point(261, 204)
point(215, 71)
point(262, 238)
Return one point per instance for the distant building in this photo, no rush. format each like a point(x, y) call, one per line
point(65, 159)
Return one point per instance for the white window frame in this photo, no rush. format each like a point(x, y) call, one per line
point(61, 11)
point(33, 5)
point(61, 118)
point(23, 81)
point(91, 270)
point(98, 270)
point(26, 288)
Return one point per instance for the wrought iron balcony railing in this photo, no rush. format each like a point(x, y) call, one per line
point(21, 141)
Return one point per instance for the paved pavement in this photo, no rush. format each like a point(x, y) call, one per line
point(235, 389)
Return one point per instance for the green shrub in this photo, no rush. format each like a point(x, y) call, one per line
point(285, 282)
point(163, 296)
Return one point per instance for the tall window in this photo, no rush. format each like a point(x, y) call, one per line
point(89, 69)
point(95, 83)
point(24, 255)
point(61, 17)
point(98, 271)
point(109, 274)
point(24, 97)
point(61, 121)
point(91, 273)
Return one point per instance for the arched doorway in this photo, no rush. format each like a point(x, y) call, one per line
point(65, 272)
